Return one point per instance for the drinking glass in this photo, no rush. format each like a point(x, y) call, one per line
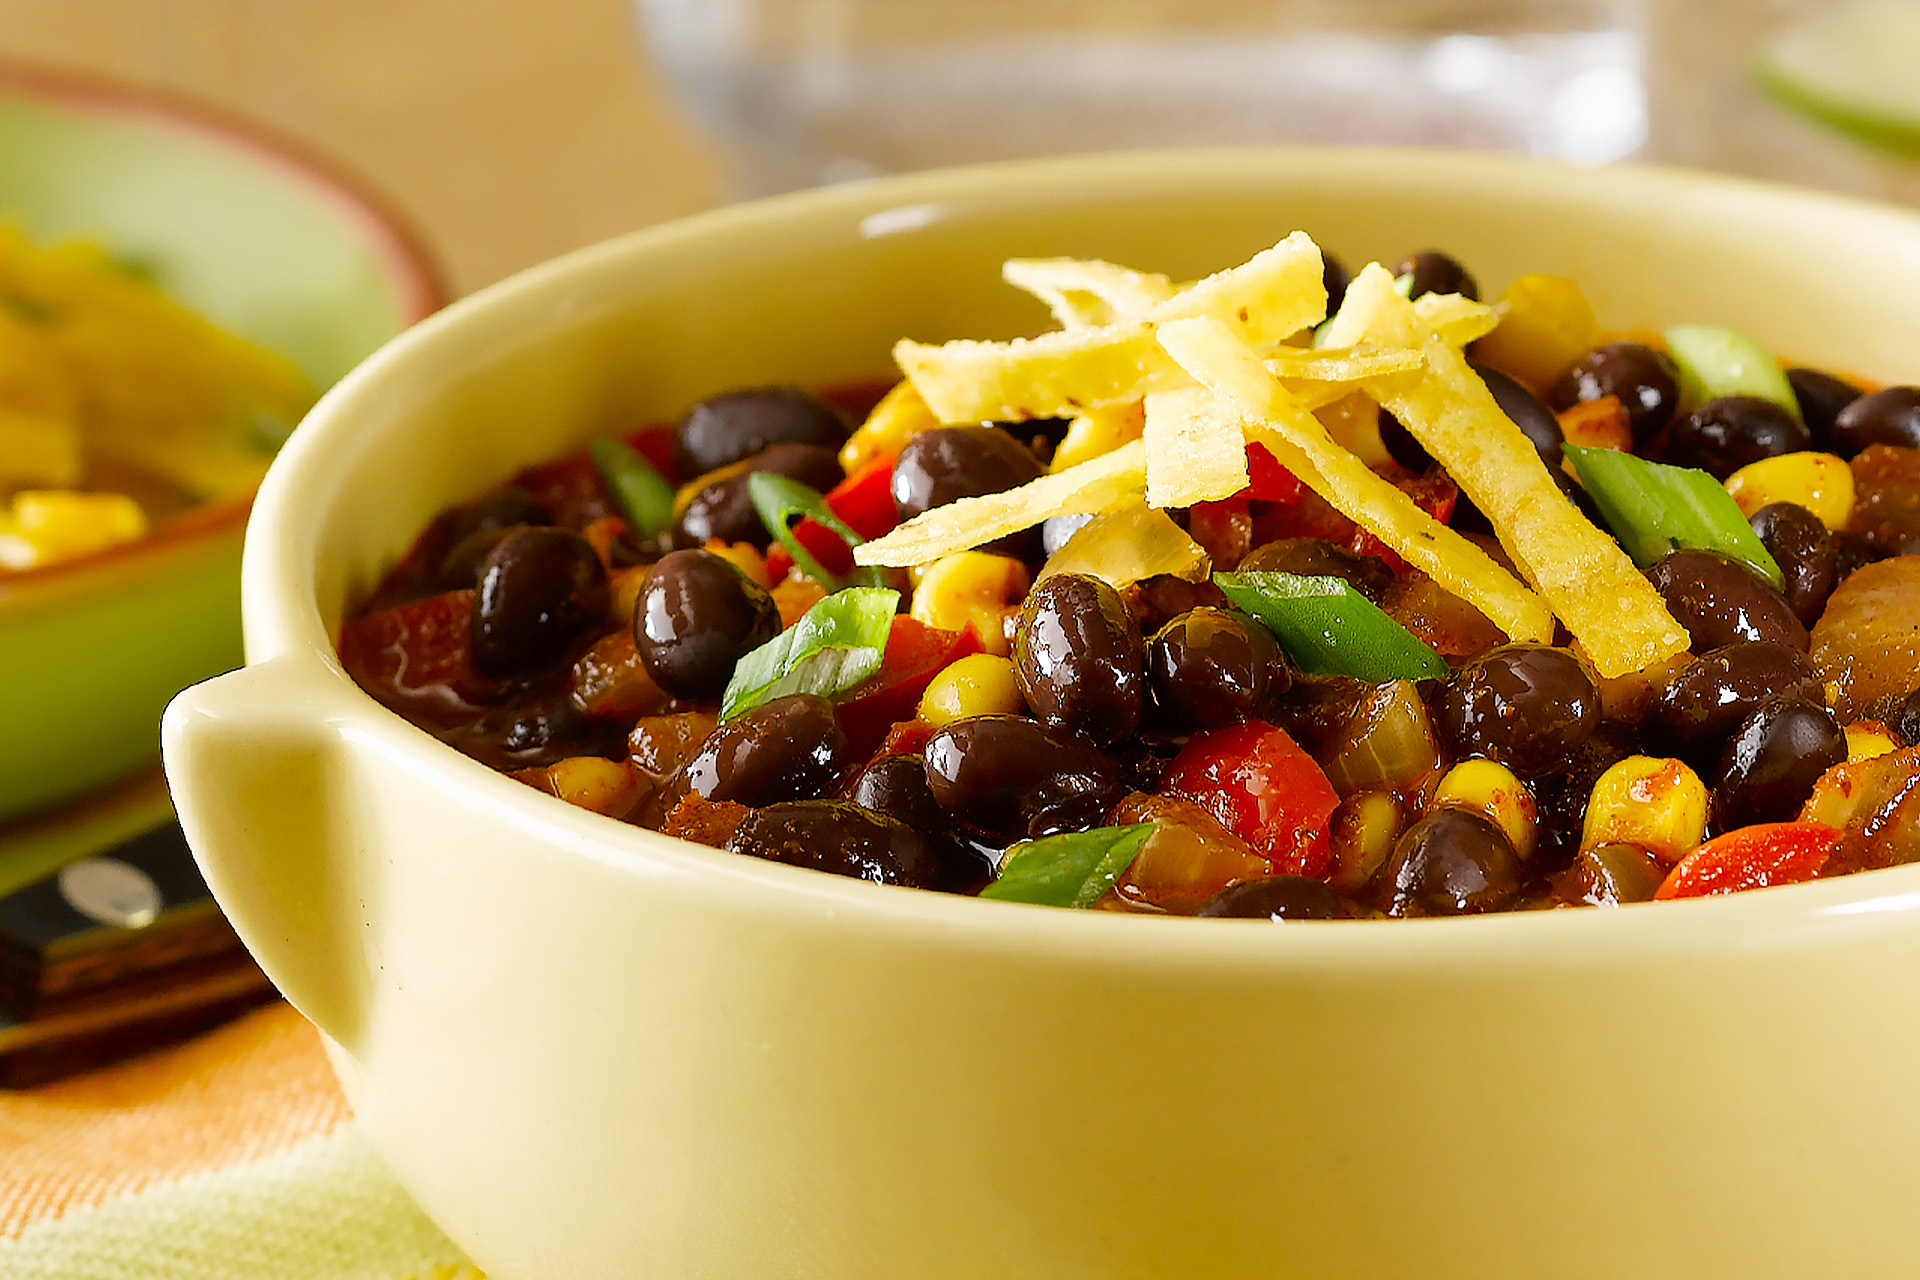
point(800, 92)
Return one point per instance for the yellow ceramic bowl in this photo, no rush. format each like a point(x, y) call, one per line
point(592, 1051)
point(263, 241)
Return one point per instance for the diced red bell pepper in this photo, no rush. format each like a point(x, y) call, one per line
point(1754, 857)
point(1435, 494)
point(1223, 529)
point(1260, 785)
point(864, 500)
point(915, 654)
point(571, 489)
point(601, 534)
point(418, 655)
point(1268, 481)
point(654, 442)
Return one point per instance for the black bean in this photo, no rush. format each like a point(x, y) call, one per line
point(1318, 558)
point(1645, 382)
point(536, 730)
point(1821, 397)
point(1527, 412)
point(1804, 550)
point(1905, 720)
point(839, 837)
point(1212, 668)
point(462, 534)
point(1451, 863)
point(1706, 700)
point(695, 617)
point(897, 787)
point(1402, 446)
point(1890, 415)
point(1726, 433)
point(1611, 875)
point(1769, 766)
point(739, 424)
point(723, 508)
point(1080, 659)
point(791, 748)
point(460, 570)
point(1335, 276)
point(1436, 272)
point(1560, 798)
point(1719, 600)
point(1527, 706)
point(936, 467)
point(541, 590)
point(1011, 776)
point(1278, 898)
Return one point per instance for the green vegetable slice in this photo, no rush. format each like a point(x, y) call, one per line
point(833, 647)
point(1850, 66)
point(645, 497)
point(1653, 508)
point(1071, 870)
point(780, 500)
point(1329, 629)
point(1719, 362)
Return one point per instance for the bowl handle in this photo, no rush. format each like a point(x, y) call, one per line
point(260, 782)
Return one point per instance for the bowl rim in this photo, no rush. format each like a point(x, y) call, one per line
point(419, 285)
point(285, 626)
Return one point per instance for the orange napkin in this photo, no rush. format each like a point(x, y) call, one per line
point(228, 1158)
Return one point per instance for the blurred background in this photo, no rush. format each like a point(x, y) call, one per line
point(511, 130)
point(506, 131)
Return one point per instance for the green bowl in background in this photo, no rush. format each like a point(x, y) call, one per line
point(264, 242)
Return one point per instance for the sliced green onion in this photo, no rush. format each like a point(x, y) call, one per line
point(833, 647)
point(1653, 509)
point(1071, 870)
point(1329, 629)
point(645, 497)
point(1720, 362)
point(780, 500)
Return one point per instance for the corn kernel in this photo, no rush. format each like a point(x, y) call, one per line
point(1361, 834)
point(1867, 739)
point(971, 591)
point(1098, 432)
point(794, 595)
point(980, 684)
point(745, 557)
point(1820, 482)
point(1546, 324)
point(57, 524)
point(1659, 805)
point(1598, 424)
point(1489, 789)
point(899, 417)
point(604, 786)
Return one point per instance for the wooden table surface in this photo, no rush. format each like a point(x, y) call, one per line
point(507, 130)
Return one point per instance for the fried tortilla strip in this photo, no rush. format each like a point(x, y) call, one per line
point(1271, 296)
point(1105, 482)
point(1194, 453)
point(1085, 293)
point(1616, 615)
point(1377, 307)
point(1243, 387)
point(1453, 319)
